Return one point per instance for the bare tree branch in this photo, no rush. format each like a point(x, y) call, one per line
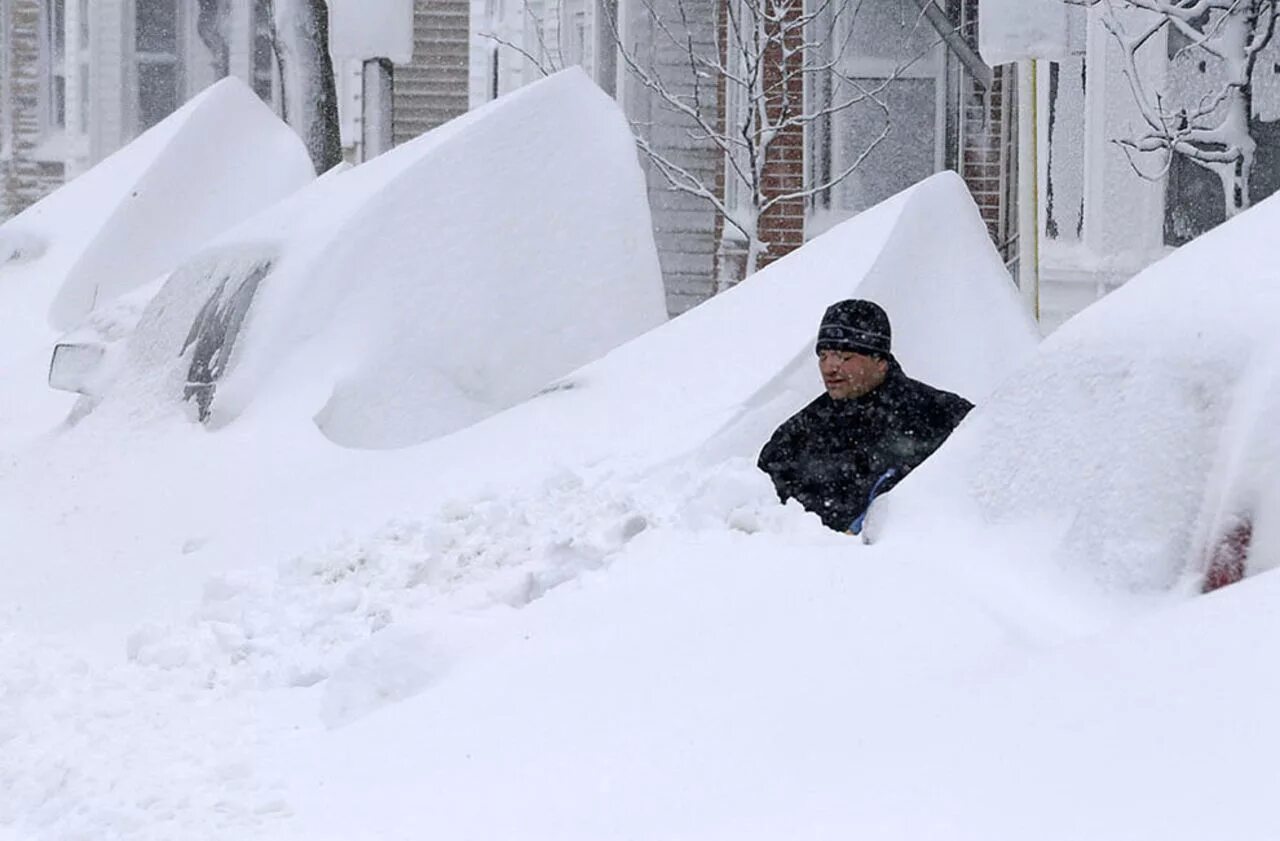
point(1215, 132)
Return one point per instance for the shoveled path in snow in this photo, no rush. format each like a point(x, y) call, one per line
point(173, 740)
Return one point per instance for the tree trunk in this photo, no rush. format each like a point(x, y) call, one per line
point(300, 36)
point(1236, 33)
point(211, 24)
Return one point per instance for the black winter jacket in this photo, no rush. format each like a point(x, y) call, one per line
point(829, 455)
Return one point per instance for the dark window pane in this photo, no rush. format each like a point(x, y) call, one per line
point(157, 92)
point(905, 156)
point(83, 70)
point(59, 94)
point(57, 30)
point(1194, 199)
point(156, 27)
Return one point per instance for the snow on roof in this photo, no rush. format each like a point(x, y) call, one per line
point(434, 286)
point(1136, 430)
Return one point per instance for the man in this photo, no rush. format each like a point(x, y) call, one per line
point(872, 427)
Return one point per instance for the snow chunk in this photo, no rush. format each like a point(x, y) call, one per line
point(442, 282)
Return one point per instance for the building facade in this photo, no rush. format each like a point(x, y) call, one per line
point(1104, 211)
point(935, 107)
point(79, 79)
point(84, 77)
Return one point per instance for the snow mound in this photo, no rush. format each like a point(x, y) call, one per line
point(243, 158)
point(1140, 434)
point(217, 160)
point(249, 575)
point(724, 375)
point(427, 289)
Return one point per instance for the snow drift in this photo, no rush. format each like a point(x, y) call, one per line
point(225, 140)
point(220, 158)
point(426, 289)
point(725, 374)
point(1141, 432)
point(263, 585)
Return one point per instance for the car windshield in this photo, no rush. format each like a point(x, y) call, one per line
point(217, 325)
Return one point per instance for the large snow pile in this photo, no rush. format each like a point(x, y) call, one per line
point(745, 359)
point(737, 686)
point(427, 289)
point(204, 628)
point(215, 161)
point(1141, 438)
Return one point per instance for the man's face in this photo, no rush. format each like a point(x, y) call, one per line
point(848, 375)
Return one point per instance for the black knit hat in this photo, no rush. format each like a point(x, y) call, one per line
point(855, 325)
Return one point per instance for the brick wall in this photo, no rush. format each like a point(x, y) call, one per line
point(23, 179)
point(432, 89)
point(988, 159)
point(782, 226)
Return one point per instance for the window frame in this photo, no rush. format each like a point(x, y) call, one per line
point(53, 97)
point(932, 66)
point(136, 60)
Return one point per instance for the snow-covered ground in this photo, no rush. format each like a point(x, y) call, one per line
point(587, 616)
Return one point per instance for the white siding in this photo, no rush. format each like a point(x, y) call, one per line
point(432, 89)
point(684, 225)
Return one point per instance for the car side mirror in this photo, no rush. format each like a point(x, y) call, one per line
point(75, 367)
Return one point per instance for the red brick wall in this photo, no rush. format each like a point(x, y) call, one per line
point(782, 227)
point(987, 154)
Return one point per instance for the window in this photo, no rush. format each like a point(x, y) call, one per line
point(1194, 198)
point(54, 36)
point(155, 44)
point(6, 119)
point(573, 33)
point(907, 154)
point(77, 68)
point(888, 80)
point(216, 328)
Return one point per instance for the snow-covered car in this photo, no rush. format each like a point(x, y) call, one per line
point(84, 259)
point(424, 290)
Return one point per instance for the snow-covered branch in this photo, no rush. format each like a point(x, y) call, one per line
point(1214, 132)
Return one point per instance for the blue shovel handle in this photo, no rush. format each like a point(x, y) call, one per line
point(858, 523)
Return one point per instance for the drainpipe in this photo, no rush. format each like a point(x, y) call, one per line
point(950, 33)
point(1028, 187)
point(377, 108)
